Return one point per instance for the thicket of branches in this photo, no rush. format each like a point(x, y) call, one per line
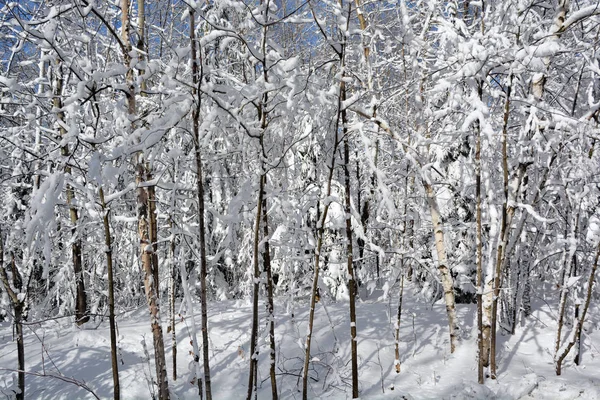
point(161, 149)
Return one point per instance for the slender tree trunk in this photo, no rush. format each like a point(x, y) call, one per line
point(111, 296)
point(490, 282)
point(478, 241)
point(315, 283)
point(144, 199)
point(172, 277)
point(508, 210)
point(577, 358)
point(194, 338)
point(579, 326)
point(270, 303)
point(149, 285)
point(196, 81)
point(262, 212)
point(321, 225)
point(566, 274)
point(153, 225)
point(252, 376)
point(407, 234)
point(18, 308)
point(447, 281)
point(398, 320)
point(38, 116)
point(153, 232)
point(438, 230)
point(81, 316)
point(351, 279)
point(479, 261)
point(365, 212)
point(503, 231)
point(576, 337)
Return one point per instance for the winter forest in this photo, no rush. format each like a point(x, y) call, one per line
point(299, 199)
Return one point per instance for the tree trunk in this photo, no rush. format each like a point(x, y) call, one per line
point(144, 199)
point(111, 297)
point(262, 212)
point(172, 277)
point(351, 279)
point(196, 81)
point(81, 316)
point(252, 376)
point(315, 283)
point(153, 233)
point(577, 358)
point(20, 349)
point(577, 332)
point(365, 212)
point(270, 303)
point(149, 285)
point(447, 281)
point(321, 228)
point(566, 274)
point(194, 338)
point(18, 307)
point(398, 320)
point(508, 211)
point(479, 250)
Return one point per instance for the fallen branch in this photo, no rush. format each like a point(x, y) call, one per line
point(59, 377)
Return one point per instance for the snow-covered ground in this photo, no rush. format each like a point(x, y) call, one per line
point(429, 371)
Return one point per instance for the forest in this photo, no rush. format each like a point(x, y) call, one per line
point(299, 199)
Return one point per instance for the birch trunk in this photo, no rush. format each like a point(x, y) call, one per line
point(365, 211)
point(145, 198)
point(446, 277)
point(438, 230)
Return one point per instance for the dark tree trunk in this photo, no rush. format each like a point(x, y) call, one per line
point(18, 308)
point(349, 253)
point(20, 350)
point(270, 303)
point(196, 80)
point(111, 298)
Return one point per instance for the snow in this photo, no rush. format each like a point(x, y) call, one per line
point(428, 370)
point(578, 15)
